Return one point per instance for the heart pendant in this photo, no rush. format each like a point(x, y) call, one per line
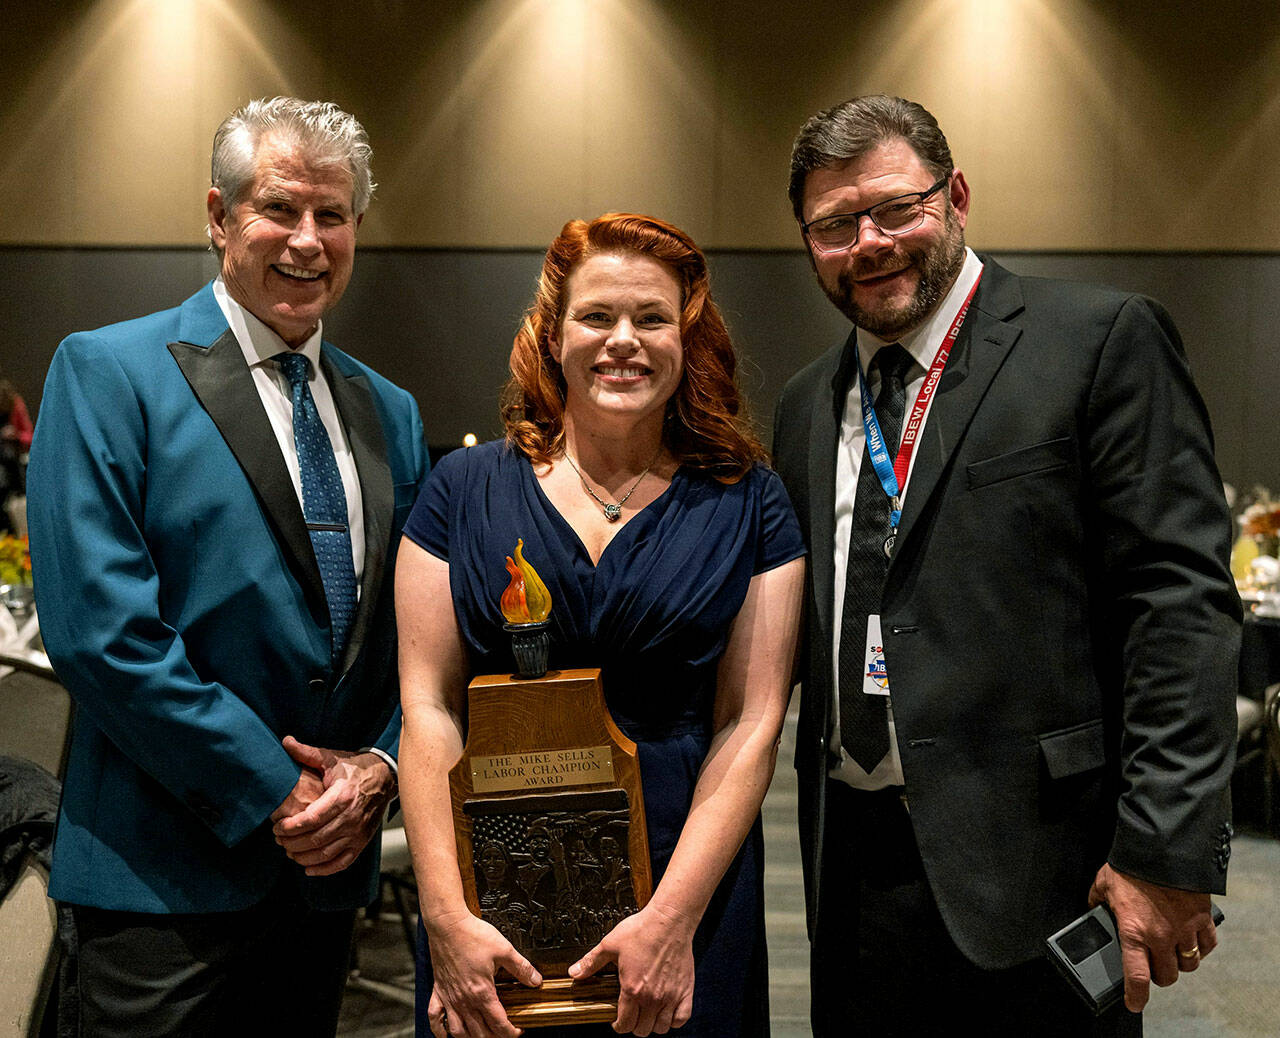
point(613, 512)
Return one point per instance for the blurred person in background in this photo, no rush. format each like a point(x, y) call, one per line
point(15, 442)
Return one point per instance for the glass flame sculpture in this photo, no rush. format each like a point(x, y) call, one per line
point(526, 604)
point(526, 600)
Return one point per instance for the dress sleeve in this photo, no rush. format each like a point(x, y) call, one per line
point(780, 538)
point(428, 523)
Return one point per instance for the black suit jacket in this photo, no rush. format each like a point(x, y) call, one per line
point(1060, 623)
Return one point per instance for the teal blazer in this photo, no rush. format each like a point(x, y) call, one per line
point(181, 605)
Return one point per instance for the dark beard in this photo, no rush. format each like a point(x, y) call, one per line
point(937, 268)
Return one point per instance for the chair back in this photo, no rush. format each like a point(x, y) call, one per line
point(36, 712)
point(16, 507)
point(28, 952)
point(1271, 724)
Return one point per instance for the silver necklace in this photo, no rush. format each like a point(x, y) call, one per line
point(612, 512)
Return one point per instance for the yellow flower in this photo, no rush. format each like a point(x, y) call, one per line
point(15, 560)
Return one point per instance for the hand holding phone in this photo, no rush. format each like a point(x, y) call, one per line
point(1087, 952)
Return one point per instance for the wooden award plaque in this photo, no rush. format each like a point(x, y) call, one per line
point(552, 844)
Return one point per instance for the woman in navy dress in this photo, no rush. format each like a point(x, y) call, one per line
point(674, 562)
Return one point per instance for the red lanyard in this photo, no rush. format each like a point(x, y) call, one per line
point(911, 431)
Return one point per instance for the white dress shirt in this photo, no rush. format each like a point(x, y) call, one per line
point(260, 344)
point(923, 344)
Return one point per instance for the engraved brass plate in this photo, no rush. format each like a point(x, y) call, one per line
point(542, 769)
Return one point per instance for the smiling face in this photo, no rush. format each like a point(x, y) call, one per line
point(619, 341)
point(288, 247)
point(888, 284)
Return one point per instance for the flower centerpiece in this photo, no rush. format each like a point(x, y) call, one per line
point(1261, 521)
point(16, 594)
point(1253, 558)
point(15, 561)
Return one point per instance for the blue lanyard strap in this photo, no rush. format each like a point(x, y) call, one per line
point(878, 451)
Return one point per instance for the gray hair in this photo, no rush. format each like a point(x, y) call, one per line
point(320, 128)
point(851, 129)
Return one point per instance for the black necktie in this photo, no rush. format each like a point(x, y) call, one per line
point(324, 502)
point(864, 728)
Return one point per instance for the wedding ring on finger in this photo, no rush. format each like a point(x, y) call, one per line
point(1192, 953)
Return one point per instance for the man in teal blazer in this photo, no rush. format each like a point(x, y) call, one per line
point(232, 756)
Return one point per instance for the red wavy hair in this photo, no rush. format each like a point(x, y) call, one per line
point(707, 428)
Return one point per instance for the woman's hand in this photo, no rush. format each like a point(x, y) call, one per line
point(654, 953)
point(465, 955)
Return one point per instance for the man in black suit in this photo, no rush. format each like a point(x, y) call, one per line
point(1018, 684)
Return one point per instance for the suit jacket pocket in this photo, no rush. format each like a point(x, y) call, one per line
point(1025, 461)
point(1074, 750)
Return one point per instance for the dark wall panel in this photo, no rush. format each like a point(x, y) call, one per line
point(440, 322)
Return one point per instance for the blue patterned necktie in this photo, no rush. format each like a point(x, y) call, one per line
point(324, 502)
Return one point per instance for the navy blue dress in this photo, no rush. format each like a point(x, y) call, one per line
point(654, 615)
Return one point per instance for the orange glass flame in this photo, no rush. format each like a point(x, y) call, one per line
point(513, 604)
point(526, 599)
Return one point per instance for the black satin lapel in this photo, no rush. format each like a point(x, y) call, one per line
point(220, 379)
point(983, 344)
point(360, 420)
point(824, 440)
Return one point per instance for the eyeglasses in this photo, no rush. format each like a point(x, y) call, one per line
point(892, 216)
